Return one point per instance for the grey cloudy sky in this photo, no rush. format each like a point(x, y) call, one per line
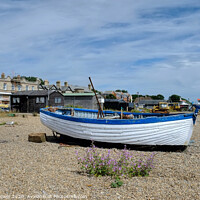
point(151, 47)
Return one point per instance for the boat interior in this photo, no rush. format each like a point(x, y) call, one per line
point(93, 114)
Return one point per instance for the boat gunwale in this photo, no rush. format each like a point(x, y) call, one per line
point(155, 118)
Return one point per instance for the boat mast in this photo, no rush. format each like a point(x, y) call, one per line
point(100, 111)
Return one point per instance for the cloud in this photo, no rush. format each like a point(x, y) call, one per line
point(151, 47)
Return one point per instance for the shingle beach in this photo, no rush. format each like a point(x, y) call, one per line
point(46, 171)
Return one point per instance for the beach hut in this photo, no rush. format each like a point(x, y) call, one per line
point(32, 101)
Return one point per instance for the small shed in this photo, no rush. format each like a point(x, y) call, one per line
point(116, 104)
point(84, 100)
point(32, 101)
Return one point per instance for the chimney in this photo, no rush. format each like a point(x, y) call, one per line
point(3, 75)
point(58, 84)
point(66, 84)
point(79, 90)
point(18, 77)
point(89, 87)
point(46, 82)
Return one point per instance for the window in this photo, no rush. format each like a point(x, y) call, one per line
point(40, 99)
point(32, 87)
point(5, 86)
point(57, 100)
point(13, 87)
point(19, 87)
point(16, 100)
point(26, 87)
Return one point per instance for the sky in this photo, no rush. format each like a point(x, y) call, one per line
point(151, 47)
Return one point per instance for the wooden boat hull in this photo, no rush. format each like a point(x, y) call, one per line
point(167, 130)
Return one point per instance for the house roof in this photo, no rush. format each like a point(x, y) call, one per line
point(48, 87)
point(78, 94)
point(107, 92)
point(71, 88)
point(32, 93)
point(151, 102)
point(115, 100)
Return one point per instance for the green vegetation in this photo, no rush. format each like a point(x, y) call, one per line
point(11, 115)
point(141, 110)
point(157, 97)
point(30, 79)
point(175, 98)
point(117, 183)
point(122, 164)
point(71, 106)
point(134, 96)
point(123, 91)
point(110, 96)
point(97, 92)
point(154, 97)
point(42, 82)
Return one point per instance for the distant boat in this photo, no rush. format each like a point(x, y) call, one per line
point(137, 129)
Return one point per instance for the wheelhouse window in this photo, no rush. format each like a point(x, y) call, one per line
point(57, 100)
point(16, 100)
point(40, 99)
point(5, 86)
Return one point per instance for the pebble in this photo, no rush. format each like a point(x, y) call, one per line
point(42, 170)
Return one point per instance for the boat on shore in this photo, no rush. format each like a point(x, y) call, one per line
point(133, 129)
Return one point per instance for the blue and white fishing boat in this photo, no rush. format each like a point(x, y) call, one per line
point(137, 129)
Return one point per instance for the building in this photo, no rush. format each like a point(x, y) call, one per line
point(183, 105)
point(32, 101)
point(75, 95)
point(116, 104)
point(149, 104)
point(138, 99)
point(66, 88)
point(5, 98)
point(10, 85)
point(83, 100)
point(119, 95)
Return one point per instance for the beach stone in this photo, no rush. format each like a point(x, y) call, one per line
point(37, 137)
point(31, 177)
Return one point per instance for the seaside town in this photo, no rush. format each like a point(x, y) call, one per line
point(41, 160)
point(99, 100)
point(29, 94)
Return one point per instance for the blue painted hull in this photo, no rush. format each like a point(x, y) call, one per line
point(142, 129)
